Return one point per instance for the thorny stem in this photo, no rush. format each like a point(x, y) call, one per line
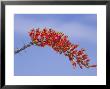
point(23, 48)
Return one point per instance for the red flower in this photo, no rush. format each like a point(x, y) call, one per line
point(60, 43)
point(84, 56)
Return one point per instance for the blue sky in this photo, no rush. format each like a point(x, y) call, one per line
point(37, 61)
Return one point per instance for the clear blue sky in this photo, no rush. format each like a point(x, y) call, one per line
point(37, 61)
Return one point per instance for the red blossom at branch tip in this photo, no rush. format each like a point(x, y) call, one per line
point(60, 43)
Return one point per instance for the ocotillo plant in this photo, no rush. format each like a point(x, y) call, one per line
point(60, 43)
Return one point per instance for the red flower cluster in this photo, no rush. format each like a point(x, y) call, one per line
point(60, 43)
